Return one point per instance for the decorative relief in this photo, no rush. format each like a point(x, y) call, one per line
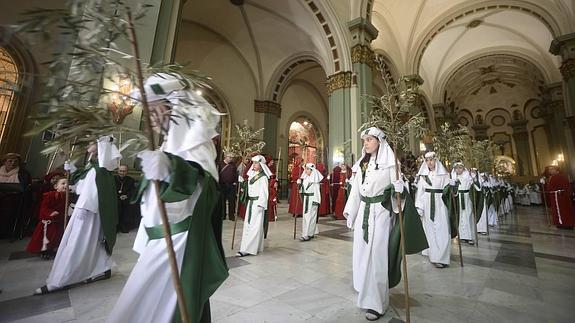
point(567, 69)
point(363, 54)
point(338, 81)
point(268, 107)
point(498, 121)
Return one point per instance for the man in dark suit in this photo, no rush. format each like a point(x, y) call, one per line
point(126, 188)
point(228, 184)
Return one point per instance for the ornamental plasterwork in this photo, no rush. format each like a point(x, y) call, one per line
point(338, 81)
point(363, 54)
point(567, 69)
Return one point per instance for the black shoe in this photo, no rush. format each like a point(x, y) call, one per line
point(106, 275)
point(242, 254)
point(372, 315)
point(41, 291)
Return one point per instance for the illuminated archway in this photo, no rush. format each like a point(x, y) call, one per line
point(9, 85)
point(305, 141)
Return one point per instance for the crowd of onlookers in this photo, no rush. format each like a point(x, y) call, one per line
point(37, 206)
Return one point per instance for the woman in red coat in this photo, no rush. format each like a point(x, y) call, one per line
point(50, 228)
point(559, 198)
point(325, 205)
point(344, 176)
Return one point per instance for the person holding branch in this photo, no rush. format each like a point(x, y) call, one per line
point(310, 188)
point(432, 197)
point(371, 211)
point(186, 170)
point(257, 203)
point(82, 257)
point(466, 216)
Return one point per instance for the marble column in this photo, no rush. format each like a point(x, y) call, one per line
point(414, 81)
point(167, 22)
point(362, 57)
point(272, 112)
point(521, 138)
point(564, 46)
point(339, 90)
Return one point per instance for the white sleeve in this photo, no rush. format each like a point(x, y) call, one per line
point(420, 196)
point(263, 192)
point(392, 174)
point(352, 206)
point(316, 193)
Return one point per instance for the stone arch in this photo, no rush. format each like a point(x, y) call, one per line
point(282, 75)
point(472, 7)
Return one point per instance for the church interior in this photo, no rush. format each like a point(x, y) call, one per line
point(301, 71)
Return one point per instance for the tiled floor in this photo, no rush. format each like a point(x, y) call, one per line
point(523, 272)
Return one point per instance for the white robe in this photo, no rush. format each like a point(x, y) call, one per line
point(370, 260)
point(437, 231)
point(466, 227)
point(82, 253)
point(152, 273)
point(253, 232)
point(482, 223)
point(309, 226)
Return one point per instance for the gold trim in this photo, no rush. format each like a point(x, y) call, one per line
point(271, 107)
point(338, 81)
point(363, 54)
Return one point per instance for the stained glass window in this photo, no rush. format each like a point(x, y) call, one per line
point(8, 88)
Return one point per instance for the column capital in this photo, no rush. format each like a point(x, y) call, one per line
point(561, 44)
point(362, 30)
point(270, 107)
point(363, 54)
point(519, 126)
point(567, 69)
point(339, 81)
point(412, 79)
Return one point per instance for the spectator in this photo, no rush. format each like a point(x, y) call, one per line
point(126, 187)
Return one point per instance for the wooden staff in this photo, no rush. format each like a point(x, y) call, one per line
point(297, 197)
point(545, 203)
point(474, 220)
point(67, 194)
point(237, 213)
point(457, 220)
point(152, 146)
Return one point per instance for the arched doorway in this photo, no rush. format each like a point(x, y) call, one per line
point(305, 142)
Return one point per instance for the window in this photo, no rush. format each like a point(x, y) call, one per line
point(8, 88)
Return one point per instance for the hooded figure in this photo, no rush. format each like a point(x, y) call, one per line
point(310, 189)
point(370, 211)
point(465, 204)
point(257, 203)
point(429, 201)
point(186, 170)
point(82, 257)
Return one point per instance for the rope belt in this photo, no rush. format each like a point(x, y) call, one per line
point(462, 198)
point(306, 200)
point(555, 193)
point(368, 201)
point(433, 191)
point(250, 203)
point(157, 232)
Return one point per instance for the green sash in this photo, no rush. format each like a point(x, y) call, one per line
point(368, 201)
point(433, 191)
point(415, 240)
point(203, 267)
point(306, 200)
point(250, 204)
point(107, 201)
point(451, 203)
point(462, 198)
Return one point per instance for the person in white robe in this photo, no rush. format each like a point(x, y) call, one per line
point(492, 216)
point(310, 188)
point(466, 220)
point(257, 203)
point(185, 167)
point(479, 186)
point(82, 254)
point(535, 194)
point(371, 222)
point(433, 178)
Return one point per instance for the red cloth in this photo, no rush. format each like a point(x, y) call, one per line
point(325, 205)
point(560, 203)
point(341, 196)
point(272, 199)
point(242, 207)
point(295, 202)
point(51, 201)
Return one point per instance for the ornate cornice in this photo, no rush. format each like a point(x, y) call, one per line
point(338, 81)
point(363, 54)
point(567, 69)
point(271, 107)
